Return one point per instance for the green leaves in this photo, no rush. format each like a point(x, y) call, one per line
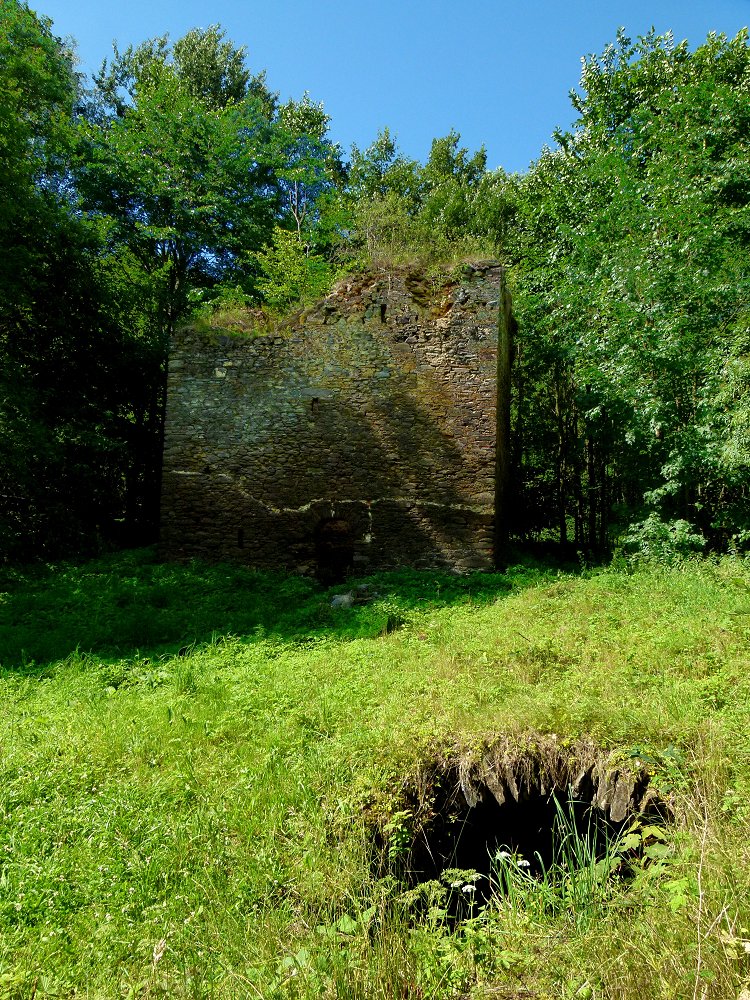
point(184, 170)
point(633, 276)
point(441, 211)
point(290, 272)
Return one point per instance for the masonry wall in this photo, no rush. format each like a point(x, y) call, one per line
point(359, 435)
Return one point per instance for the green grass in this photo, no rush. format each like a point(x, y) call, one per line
point(129, 603)
point(193, 762)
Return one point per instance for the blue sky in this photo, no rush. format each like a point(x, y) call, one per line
point(498, 72)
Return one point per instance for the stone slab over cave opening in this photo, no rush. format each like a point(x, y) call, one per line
point(518, 801)
point(384, 406)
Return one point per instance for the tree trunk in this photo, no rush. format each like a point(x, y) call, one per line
point(506, 331)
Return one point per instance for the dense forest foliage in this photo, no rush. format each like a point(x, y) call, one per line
point(175, 183)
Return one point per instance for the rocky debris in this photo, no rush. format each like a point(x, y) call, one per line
point(343, 600)
point(546, 766)
point(359, 595)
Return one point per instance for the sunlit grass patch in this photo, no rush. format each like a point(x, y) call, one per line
point(196, 817)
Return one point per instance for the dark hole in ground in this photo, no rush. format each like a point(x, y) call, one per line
point(334, 550)
point(541, 806)
point(538, 832)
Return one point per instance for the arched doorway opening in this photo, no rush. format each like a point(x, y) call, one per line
point(334, 550)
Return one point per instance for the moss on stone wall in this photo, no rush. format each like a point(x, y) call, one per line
point(374, 410)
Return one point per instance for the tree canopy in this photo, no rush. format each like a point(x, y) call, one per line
point(631, 249)
point(176, 179)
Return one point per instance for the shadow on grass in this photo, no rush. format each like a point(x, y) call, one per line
point(130, 604)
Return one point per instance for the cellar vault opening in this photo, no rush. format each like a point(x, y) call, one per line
point(518, 801)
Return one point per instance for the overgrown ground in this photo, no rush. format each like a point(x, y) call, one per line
point(194, 761)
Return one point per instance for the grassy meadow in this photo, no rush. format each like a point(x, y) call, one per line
point(200, 766)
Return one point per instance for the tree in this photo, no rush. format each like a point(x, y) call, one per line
point(72, 355)
point(37, 96)
point(309, 164)
point(211, 69)
point(38, 93)
point(290, 273)
point(436, 211)
point(451, 180)
point(382, 170)
point(178, 162)
point(631, 240)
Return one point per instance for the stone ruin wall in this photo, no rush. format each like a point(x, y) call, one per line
point(362, 431)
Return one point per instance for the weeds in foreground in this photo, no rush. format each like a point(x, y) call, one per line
point(579, 879)
point(191, 819)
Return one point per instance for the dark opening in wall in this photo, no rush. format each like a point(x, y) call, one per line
point(528, 807)
point(315, 405)
point(334, 550)
point(383, 310)
point(240, 538)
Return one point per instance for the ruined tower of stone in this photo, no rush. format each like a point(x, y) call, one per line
point(367, 432)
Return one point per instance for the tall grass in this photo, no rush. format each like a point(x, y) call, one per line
point(577, 881)
point(193, 762)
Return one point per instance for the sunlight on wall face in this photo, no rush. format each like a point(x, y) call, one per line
point(375, 409)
